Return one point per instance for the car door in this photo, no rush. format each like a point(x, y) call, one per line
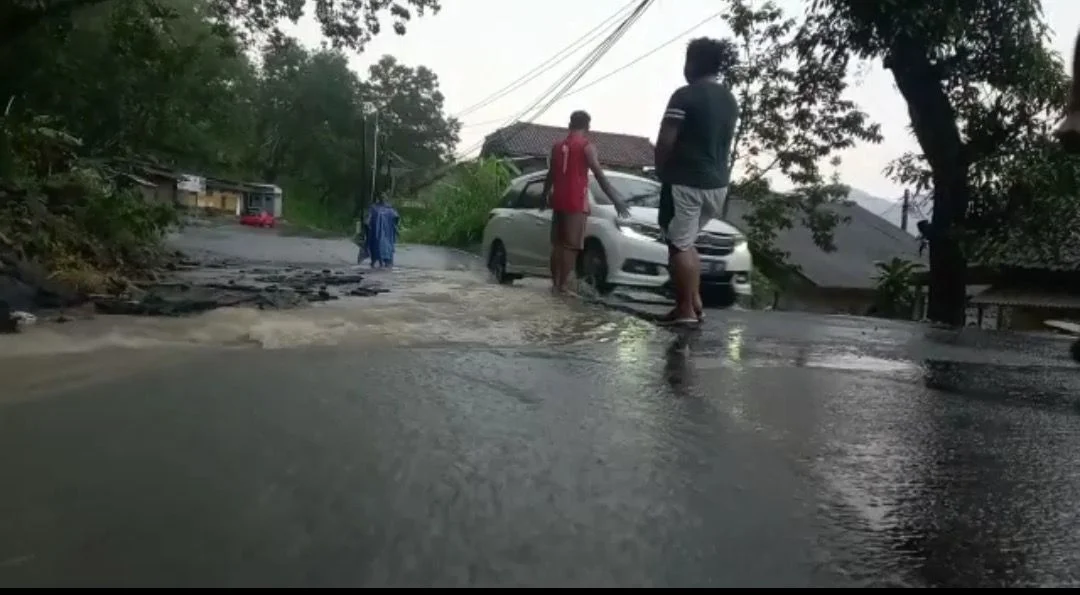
point(513, 225)
point(535, 228)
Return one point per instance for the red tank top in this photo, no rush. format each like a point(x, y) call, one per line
point(570, 175)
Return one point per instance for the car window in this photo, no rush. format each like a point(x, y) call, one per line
point(639, 191)
point(533, 196)
point(509, 200)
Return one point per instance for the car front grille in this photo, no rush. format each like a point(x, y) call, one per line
point(714, 244)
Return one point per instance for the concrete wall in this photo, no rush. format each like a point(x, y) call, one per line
point(163, 193)
point(827, 301)
point(227, 201)
point(1031, 318)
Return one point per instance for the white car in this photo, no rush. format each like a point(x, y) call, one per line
point(517, 242)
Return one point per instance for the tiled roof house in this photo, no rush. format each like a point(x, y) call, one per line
point(529, 145)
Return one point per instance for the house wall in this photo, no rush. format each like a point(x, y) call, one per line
point(1031, 318)
point(856, 302)
point(164, 192)
point(228, 201)
point(187, 199)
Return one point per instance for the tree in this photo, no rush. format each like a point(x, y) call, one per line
point(130, 82)
point(317, 121)
point(793, 119)
point(974, 76)
point(410, 108)
point(346, 23)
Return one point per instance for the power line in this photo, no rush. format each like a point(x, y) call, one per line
point(645, 55)
point(574, 74)
point(541, 68)
point(594, 59)
point(624, 66)
point(484, 123)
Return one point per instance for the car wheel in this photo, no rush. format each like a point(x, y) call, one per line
point(718, 297)
point(497, 264)
point(592, 268)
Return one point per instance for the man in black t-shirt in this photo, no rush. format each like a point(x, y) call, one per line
point(692, 151)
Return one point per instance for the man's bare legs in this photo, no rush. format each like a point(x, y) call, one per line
point(685, 268)
point(566, 267)
point(692, 281)
point(555, 263)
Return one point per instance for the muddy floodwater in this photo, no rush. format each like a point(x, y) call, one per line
point(445, 431)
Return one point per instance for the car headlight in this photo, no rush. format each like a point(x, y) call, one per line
point(740, 242)
point(639, 231)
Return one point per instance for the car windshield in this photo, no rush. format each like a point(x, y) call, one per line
point(639, 192)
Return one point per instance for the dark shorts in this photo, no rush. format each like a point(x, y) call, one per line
point(568, 229)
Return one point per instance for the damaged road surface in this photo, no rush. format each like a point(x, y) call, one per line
point(208, 288)
point(457, 433)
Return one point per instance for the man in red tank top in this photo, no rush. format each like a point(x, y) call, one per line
point(567, 190)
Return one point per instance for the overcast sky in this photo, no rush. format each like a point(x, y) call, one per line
point(477, 47)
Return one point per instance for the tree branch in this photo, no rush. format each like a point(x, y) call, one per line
point(19, 21)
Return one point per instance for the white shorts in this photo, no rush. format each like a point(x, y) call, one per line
point(687, 212)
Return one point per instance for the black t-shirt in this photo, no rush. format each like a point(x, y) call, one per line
point(707, 113)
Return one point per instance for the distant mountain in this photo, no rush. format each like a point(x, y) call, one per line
point(889, 210)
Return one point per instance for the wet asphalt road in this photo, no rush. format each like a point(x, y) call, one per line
point(778, 449)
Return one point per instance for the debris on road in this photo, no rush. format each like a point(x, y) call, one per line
point(204, 290)
point(187, 287)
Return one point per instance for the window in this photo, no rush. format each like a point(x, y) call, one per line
point(509, 200)
point(533, 196)
point(639, 192)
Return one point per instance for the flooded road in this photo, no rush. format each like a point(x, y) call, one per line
point(514, 448)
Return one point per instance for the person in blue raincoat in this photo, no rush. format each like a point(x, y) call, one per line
point(382, 228)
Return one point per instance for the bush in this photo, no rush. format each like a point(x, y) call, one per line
point(69, 215)
point(457, 207)
point(304, 209)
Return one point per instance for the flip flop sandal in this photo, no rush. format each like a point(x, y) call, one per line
point(670, 316)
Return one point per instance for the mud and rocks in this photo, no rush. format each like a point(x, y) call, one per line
point(184, 287)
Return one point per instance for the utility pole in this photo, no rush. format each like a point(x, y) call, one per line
point(375, 158)
point(358, 207)
point(904, 211)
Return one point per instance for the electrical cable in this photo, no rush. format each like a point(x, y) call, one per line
point(595, 58)
point(531, 75)
point(645, 55)
point(612, 73)
point(570, 78)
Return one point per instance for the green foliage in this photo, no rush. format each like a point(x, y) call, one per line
point(981, 89)
point(170, 82)
point(894, 287)
point(317, 121)
point(459, 204)
point(69, 214)
point(793, 118)
point(305, 210)
point(346, 23)
point(764, 290)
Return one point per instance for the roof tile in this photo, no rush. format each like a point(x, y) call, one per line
point(536, 140)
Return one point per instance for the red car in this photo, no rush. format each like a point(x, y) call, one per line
point(257, 218)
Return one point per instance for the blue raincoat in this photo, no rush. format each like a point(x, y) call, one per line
point(382, 234)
